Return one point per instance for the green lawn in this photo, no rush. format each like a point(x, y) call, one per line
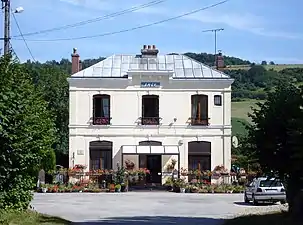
point(29, 218)
point(239, 114)
point(241, 109)
point(268, 219)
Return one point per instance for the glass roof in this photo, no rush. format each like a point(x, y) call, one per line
point(182, 66)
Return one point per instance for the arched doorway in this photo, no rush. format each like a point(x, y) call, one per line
point(100, 155)
point(199, 156)
point(153, 162)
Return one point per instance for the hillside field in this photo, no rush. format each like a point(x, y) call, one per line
point(276, 67)
point(239, 113)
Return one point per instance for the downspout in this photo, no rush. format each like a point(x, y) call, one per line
point(138, 98)
point(224, 107)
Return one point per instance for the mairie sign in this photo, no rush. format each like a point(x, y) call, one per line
point(150, 84)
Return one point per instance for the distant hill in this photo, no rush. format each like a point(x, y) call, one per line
point(210, 58)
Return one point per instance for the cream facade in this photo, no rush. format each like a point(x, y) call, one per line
point(174, 126)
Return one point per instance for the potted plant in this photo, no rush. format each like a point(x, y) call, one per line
point(169, 184)
point(112, 187)
point(171, 166)
point(194, 189)
point(203, 190)
point(44, 188)
point(118, 188)
point(182, 187)
point(129, 164)
point(124, 186)
point(179, 185)
point(184, 172)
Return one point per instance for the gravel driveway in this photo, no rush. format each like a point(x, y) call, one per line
point(140, 208)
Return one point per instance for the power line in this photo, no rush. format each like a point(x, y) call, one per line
point(19, 29)
point(108, 16)
point(129, 29)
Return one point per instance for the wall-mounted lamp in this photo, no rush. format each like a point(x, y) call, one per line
point(180, 142)
point(175, 119)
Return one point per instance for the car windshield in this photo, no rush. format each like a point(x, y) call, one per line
point(270, 183)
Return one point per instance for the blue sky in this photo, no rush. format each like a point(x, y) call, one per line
point(254, 29)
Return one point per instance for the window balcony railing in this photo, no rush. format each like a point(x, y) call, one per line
point(150, 120)
point(101, 120)
point(199, 122)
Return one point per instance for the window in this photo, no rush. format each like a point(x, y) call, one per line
point(101, 109)
point(199, 157)
point(150, 110)
point(199, 110)
point(270, 183)
point(100, 154)
point(218, 100)
point(100, 159)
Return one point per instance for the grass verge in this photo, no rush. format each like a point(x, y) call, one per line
point(273, 219)
point(29, 218)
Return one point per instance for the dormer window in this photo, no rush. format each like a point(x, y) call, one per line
point(199, 110)
point(101, 110)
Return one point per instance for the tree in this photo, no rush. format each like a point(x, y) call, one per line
point(27, 133)
point(263, 63)
point(276, 140)
point(271, 63)
point(51, 81)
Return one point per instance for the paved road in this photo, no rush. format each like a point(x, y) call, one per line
point(140, 208)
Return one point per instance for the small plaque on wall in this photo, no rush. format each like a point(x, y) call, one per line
point(80, 152)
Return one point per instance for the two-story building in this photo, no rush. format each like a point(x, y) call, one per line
point(149, 109)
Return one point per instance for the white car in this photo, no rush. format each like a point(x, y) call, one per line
point(265, 190)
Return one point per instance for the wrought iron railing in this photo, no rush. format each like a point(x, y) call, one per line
point(150, 120)
point(101, 120)
point(199, 122)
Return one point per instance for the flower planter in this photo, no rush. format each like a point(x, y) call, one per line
point(124, 188)
point(182, 190)
point(169, 188)
point(194, 190)
point(44, 190)
point(117, 189)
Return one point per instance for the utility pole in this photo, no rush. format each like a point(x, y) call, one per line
point(6, 5)
point(215, 31)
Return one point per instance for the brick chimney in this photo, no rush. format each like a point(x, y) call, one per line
point(220, 61)
point(149, 51)
point(75, 61)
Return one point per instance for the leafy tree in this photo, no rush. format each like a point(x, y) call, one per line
point(263, 63)
point(276, 140)
point(51, 81)
point(27, 133)
point(271, 63)
point(210, 58)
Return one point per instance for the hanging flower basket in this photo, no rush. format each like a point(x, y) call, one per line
point(129, 165)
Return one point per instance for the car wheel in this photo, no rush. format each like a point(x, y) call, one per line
point(255, 202)
point(246, 200)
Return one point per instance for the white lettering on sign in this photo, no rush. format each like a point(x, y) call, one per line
point(150, 84)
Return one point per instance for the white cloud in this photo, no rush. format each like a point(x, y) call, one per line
point(92, 4)
point(245, 21)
